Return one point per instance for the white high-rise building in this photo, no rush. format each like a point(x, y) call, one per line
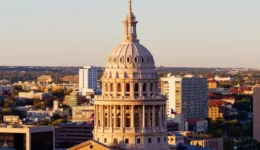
point(88, 79)
point(185, 95)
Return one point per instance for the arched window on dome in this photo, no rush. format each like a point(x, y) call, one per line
point(142, 59)
point(127, 120)
point(136, 59)
point(122, 59)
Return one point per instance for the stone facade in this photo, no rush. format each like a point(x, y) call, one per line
point(130, 113)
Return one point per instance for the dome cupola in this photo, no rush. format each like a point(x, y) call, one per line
point(130, 54)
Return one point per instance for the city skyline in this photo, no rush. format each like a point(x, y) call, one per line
point(178, 34)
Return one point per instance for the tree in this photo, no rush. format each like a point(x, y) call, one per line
point(56, 117)
point(248, 144)
point(228, 144)
point(37, 103)
point(58, 121)
point(48, 102)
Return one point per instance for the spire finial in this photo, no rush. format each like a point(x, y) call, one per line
point(130, 5)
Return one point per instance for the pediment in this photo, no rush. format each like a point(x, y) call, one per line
point(90, 145)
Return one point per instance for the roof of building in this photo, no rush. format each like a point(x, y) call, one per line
point(91, 144)
point(183, 146)
point(174, 133)
point(217, 103)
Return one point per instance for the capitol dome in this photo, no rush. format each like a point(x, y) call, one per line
point(130, 54)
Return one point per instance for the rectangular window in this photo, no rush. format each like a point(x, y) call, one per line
point(149, 140)
point(105, 140)
point(138, 140)
point(159, 140)
point(126, 141)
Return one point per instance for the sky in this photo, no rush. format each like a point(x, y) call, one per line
point(179, 33)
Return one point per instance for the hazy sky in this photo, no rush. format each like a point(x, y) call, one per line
point(179, 33)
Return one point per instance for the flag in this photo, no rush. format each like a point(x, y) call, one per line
point(173, 112)
point(91, 117)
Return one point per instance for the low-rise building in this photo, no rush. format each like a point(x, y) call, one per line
point(74, 99)
point(44, 79)
point(212, 84)
point(69, 135)
point(6, 90)
point(224, 79)
point(82, 113)
point(215, 144)
point(11, 119)
point(196, 125)
point(22, 137)
point(33, 95)
point(214, 110)
point(175, 138)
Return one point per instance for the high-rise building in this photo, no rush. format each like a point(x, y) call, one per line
point(130, 113)
point(185, 95)
point(88, 79)
point(256, 112)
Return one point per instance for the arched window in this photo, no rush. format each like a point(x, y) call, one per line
point(136, 87)
point(137, 120)
point(157, 119)
point(118, 120)
point(151, 87)
point(127, 87)
point(144, 87)
point(127, 120)
point(106, 119)
point(136, 59)
point(111, 87)
point(106, 87)
point(119, 87)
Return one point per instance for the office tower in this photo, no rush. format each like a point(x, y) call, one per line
point(88, 79)
point(185, 95)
